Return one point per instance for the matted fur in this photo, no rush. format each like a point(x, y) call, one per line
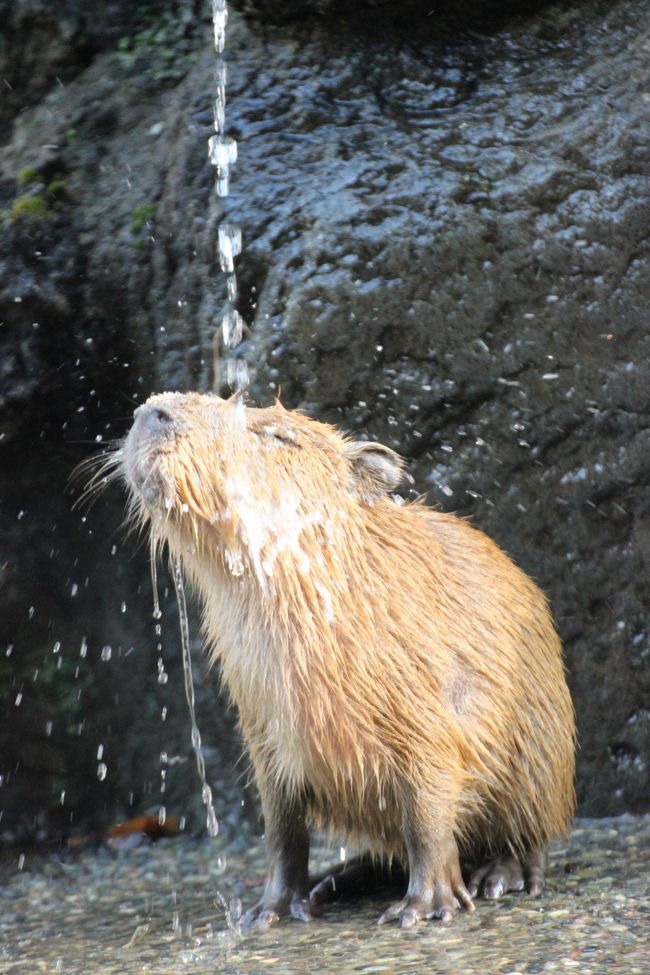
point(376, 650)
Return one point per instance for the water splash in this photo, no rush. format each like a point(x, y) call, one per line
point(222, 152)
point(206, 792)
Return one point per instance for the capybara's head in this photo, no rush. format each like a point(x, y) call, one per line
point(216, 473)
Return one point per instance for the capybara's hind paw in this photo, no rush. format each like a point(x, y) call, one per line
point(443, 904)
point(509, 873)
point(358, 876)
point(323, 892)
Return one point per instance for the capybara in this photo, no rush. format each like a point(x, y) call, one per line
point(399, 680)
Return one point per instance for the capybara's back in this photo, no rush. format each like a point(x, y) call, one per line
point(398, 679)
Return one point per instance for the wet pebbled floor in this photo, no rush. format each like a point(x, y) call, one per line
point(173, 907)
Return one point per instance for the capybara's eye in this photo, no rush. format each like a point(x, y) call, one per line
point(279, 432)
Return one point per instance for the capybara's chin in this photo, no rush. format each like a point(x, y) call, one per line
point(398, 679)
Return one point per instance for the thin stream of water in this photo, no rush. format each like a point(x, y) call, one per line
point(222, 151)
point(153, 548)
point(206, 792)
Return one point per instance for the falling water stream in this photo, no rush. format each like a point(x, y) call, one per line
point(206, 791)
point(222, 151)
point(153, 549)
point(177, 573)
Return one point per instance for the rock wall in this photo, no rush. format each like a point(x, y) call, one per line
point(446, 249)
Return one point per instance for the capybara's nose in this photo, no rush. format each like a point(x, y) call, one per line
point(155, 420)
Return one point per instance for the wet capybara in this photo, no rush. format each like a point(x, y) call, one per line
point(399, 680)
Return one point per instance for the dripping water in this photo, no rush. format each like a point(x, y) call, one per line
point(206, 792)
point(222, 151)
point(153, 548)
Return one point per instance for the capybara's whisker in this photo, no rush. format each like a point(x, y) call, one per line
point(96, 473)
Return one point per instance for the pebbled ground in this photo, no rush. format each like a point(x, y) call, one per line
point(174, 907)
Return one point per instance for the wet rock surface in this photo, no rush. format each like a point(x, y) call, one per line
point(43, 43)
point(174, 908)
point(446, 249)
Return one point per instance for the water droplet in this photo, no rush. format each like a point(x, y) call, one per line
point(237, 372)
point(222, 150)
point(230, 243)
point(234, 562)
point(232, 327)
point(234, 908)
point(220, 20)
point(102, 771)
point(107, 652)
point(231, 285)
point(220, 109)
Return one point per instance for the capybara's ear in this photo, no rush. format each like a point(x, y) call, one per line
point(375, 469)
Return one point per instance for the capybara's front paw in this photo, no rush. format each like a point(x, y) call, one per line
point(442, 904)
point(263, 914)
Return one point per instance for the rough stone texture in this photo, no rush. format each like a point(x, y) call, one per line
point(176, 907)
point(44, 43)
point(449, 12)
point(446, 249)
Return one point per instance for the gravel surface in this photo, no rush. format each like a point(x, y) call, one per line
point(173, 907)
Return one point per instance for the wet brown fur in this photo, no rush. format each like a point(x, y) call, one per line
point(387, 660)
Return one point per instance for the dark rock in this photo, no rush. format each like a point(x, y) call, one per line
point(459, 13)
point(445, 248)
